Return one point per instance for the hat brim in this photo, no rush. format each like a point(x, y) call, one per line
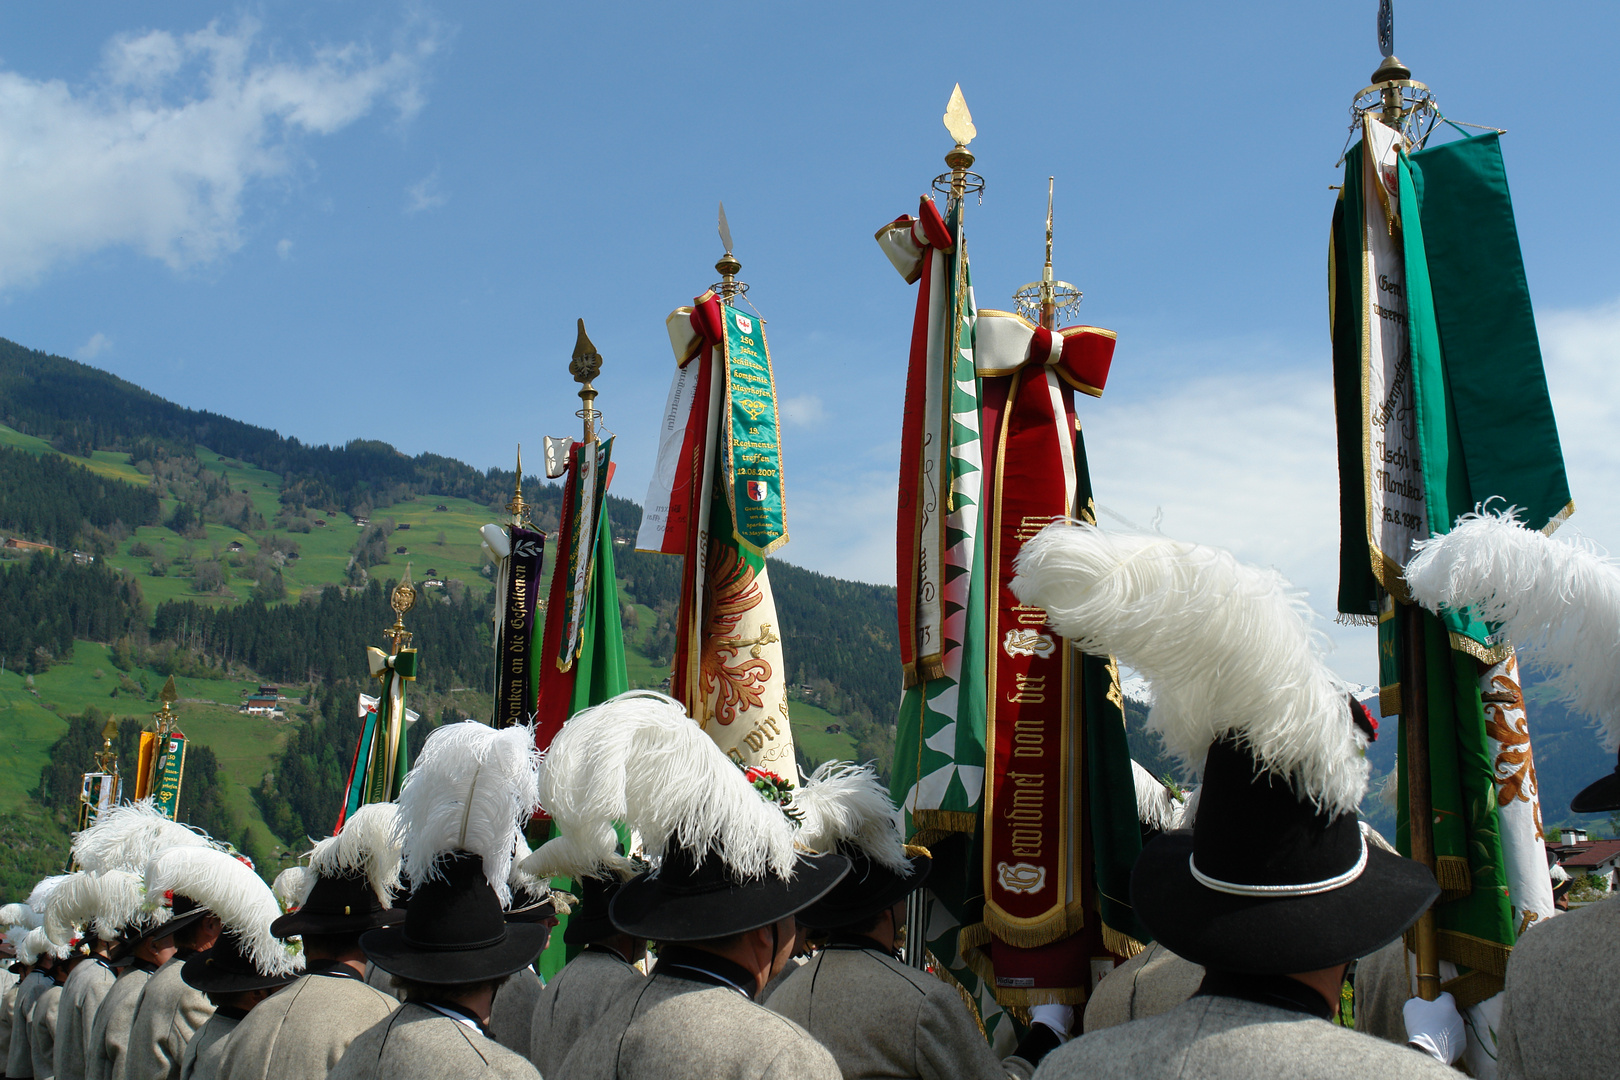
point(203, 972)
point(855, 901)
point(645, 907)
point(389, 949)
point(1275, 935)
point(164, 929)
point(1598, 797)
point(301, 922)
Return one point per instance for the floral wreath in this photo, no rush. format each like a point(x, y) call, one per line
point(773, 789)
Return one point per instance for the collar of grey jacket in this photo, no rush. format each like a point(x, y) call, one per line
point(1278, 991)
point(687, 963)
point(861, 941)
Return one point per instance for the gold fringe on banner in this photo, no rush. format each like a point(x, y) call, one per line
point(945, 976)
point(1023, 998)
point(1454, 876)
point(1466, 950)
point(971, 941)
point(931, 826)
point(1389, 699)
point(1056, 928)
point(1120, 944)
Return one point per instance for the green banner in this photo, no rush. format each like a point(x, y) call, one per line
point(589, 477)
point(171, 768)
point(753, 446)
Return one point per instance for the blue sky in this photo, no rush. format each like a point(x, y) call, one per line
point(345, 220)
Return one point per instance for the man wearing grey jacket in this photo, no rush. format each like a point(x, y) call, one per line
point(82, 995)
point(169, 1011)
point(108, 1046)
point(20, 1060)
point(588, 984)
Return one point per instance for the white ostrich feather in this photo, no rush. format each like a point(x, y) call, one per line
point(1228, 649)
point(471, 789)
point(40, 898)
point(846, 803)
point(104, 903)
point(36, 944)
point(1155, 806)
point(237, 896)
point(16, 934)
point(1558, 603)
point(128, 837)
point(368, 844)
point(638, 758)
point(1187, 809)
point(291, 886)
point(17, 914)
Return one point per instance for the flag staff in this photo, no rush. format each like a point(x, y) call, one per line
point(1400, 99)
point(1045, 300)
point(517, 507)
point(728, 286)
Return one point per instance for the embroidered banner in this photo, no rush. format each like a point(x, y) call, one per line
point(589, 469)
point(514, 644)
point(171, 767)
point(1518, 798)
point(753, 447)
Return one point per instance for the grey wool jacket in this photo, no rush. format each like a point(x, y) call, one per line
point(880, 1018)
point(207, 1046)
point(512, 1014)
point(674, 1028)
point(82, 995)
point(42, 1032)
point(1153, 981)
point(1562, 985)
point(8, 1006)
point(165, 1018)
point(1222, 1038)
point(420, 1043)
point(1383, 987)
point(104, 1054)
point(300, 1031)
point(575, 999)
point(20, 1060)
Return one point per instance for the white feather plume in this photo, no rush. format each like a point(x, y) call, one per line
point(40, 898)
point(237, 896)
point(16, 934)
point(1558, 603)
point(1155, 806)
point(471, 789)
point(846, 803)
point(638, 758)
point(1229, 650)
point(368, 844)
point(104, 903)
point(1187, 809)
point(291, 887)
point(128, 837)
point(17, 914)
point(36, 944)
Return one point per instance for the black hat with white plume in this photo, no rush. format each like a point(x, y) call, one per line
point(1275, 875)
point(247, 955)
point(351, 878)
point(123, 840)
point(845, 808)
point(724, 846)
point(461, 811)
point(1558, 603)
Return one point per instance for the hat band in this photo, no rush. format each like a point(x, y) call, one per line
point(1308, 888)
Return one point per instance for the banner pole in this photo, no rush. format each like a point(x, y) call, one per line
point(1420, 805)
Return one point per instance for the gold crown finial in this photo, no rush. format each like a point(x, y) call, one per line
point(402, 600)
point(585, 366)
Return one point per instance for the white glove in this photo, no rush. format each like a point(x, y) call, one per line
point(1436, 1027)
point(1060, 1018)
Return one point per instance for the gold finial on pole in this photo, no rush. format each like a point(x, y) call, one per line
point(585, 366)
point(402, 600)
point(517, 507)
point(728, 286)
point(107, 757)
point(959, 123)
point(1044, 300)
point(1399, 101)
point(165, 716)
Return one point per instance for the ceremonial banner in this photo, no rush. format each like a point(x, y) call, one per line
point(590, 467)
point(938, 772)
point(388, 762)
point(145, 765)
point(728, 667)
point(517, 594)
point(354, 792)
point(1518, 798)
point(171, 767)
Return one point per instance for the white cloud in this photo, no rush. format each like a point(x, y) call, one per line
point(284, 248)
point(842, 522)
point(156, 150)
point(425, 194)
point(1582, 353)
point(98, 344)
point(805, 410)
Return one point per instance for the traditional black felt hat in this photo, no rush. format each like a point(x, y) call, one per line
point(1265, 883)
point(341, 904)
point(186, 912)
point(455, 931)
point(590, 921)
point(1600, 796)
point(532, 904)
point(697, 900)
point(867, 890)
point(225, 969)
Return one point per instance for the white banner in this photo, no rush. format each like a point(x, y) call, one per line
point(1518, 801)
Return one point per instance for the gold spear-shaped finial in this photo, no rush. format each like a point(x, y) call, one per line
point(585, 366)
point(1044, 300)
point(959, 123)
point(518, 508)
point(165, 716)
point(728, 286)
point(107, 757)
